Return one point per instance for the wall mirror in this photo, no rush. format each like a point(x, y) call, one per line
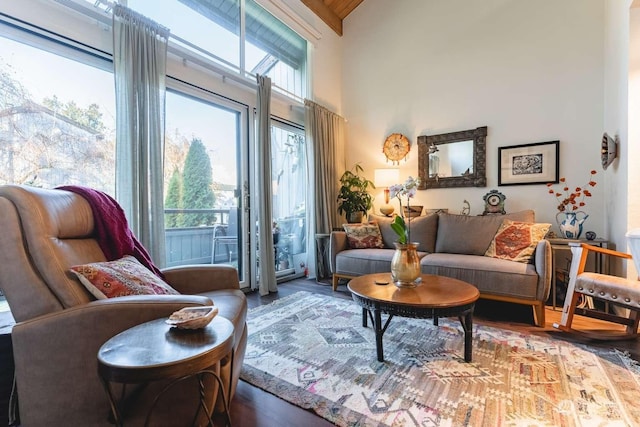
point(455, 159)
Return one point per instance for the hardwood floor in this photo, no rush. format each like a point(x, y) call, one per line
point(254, 407)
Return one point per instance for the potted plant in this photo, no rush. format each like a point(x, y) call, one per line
point(354, 199)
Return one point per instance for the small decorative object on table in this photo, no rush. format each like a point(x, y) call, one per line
point(568, 219)
point(192, 317)
point(405, 264)
point(590, 235)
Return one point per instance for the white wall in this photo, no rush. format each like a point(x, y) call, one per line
point(632, 143)
point(531, 71)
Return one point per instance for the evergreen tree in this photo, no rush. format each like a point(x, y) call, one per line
point(174, 199)
point(197, 181)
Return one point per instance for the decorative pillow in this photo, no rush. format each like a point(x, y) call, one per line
point(517, 241)
point(363, 236)
point(125, 276)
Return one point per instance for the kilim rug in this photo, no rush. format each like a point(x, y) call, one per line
point(312, 351)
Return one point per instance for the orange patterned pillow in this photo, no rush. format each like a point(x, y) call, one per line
point(517, 241)
point(125, 276)
point(363, 236)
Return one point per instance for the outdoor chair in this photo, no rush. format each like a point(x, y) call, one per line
point(227, 236)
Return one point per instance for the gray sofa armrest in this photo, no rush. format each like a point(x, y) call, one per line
point(543, 264)
point(337, 243)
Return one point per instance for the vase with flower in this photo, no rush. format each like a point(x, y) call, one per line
point(570, 217)
point(405, 264)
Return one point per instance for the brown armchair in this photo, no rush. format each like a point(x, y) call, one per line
point(60, 326)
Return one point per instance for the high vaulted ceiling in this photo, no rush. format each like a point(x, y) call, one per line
point(332, 12)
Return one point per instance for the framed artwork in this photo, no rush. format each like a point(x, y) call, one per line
point(536, 163)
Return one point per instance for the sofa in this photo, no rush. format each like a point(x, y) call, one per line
point(60, 325)
point(459, 246)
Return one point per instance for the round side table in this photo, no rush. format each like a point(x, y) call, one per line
point(155, 351)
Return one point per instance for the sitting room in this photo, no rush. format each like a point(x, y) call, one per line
point(178, 189)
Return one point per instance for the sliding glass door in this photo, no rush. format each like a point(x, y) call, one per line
point(204, 180)
point(289, 187)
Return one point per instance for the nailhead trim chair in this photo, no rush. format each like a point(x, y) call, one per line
point(616, 291)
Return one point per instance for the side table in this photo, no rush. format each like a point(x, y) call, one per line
point(557, 245)
point(155, 351)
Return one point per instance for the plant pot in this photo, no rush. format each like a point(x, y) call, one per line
point(354, 217)
point(405, 265)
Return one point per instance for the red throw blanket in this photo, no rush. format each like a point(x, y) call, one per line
point(112, 229)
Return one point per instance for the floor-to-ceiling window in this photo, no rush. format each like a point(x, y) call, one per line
point(215, 51)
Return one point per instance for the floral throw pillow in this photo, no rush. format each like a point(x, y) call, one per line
point(517, 241)
point(125, 276)
point(363, 236)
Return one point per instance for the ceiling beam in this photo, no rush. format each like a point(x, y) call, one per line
point(331, 19)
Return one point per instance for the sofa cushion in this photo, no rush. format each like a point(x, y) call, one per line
point(356, 262)
point(517, 241)
point(491, 276)
point(423, 231)
point(472, 235)
point(363, 236)
point(125, 276)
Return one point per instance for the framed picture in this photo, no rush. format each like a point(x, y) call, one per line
point(537, 163)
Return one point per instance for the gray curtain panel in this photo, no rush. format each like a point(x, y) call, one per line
point(139, 58)
point(325, 151)
point(267, 270)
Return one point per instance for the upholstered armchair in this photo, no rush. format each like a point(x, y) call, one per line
point(616, 292)
point(60, 326)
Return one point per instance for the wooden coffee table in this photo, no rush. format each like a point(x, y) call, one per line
point(155, 351)
point(434, 297)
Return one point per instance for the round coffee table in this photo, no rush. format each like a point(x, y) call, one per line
point(433, 297)
point(155, 351)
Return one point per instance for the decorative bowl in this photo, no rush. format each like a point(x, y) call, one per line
point(192, 317)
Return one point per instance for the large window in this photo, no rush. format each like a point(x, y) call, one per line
point(213, 28)
point(56, 117)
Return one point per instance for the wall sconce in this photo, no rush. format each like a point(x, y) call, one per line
point(384, 178)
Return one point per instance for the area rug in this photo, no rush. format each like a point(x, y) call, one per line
point(312, 351)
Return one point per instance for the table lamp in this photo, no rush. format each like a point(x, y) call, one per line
point(384, 178)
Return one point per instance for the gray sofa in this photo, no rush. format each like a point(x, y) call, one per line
point(454, 246)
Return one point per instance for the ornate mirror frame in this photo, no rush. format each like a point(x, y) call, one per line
point(477, 178)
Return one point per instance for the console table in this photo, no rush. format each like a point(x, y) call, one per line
point(155, 351)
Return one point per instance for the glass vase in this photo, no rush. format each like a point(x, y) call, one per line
point(405, 265)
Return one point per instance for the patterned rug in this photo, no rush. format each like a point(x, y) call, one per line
point(312, 351)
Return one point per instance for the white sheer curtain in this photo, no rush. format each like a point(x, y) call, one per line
point(267, 270)
point(139, 57)
point(325, 151)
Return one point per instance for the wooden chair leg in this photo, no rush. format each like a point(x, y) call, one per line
point(635, 316)
point(334, 282)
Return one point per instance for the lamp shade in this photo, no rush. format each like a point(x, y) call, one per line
point(633, 238)
point(385, 177)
